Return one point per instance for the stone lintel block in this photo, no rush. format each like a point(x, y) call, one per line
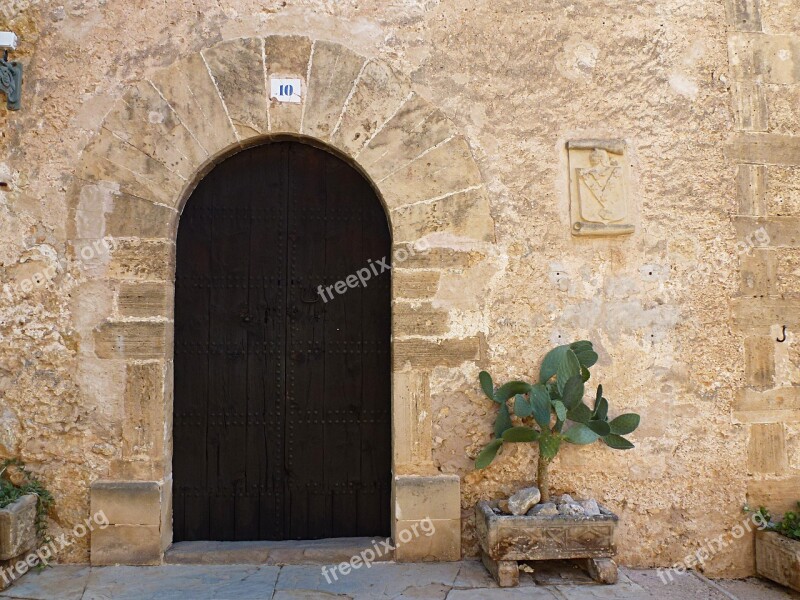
point(766, 416)
point(191, 93)
point(286, 56)
point(413, 284)
point(427, 497)
point(759, 361)
point(442, 353)
point(377, 95)
point(127, 545)
point(764, 149)
point(743, 15)
point(134, 217)
point(775, 232)
point(413, 544)
point(779, 405)
point(417, 256)
point(464, 214)
point(133, 339)
point(446, 169)
point(766, 452)
point(145, 299)
point(418, 126)
point(778, 495)
point(166, 513)
point(758, 271)
point(143, 424)
point(145, 120)
point(771, 58)
point(237, 67)
point(334, 68)
point(751, 189)
point(18, 527)
point(750, 107)
point(419, 319)
point(127, 502)
point(142, 260)
point(412, 418)
point(753, 314)
point(138, 469)
point(108, 158)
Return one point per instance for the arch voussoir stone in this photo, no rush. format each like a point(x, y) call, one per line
point(444, 169)
point(237, 67)
point(333, 70)
point(415, 128)
point(153, 147)
point(375, 97)
point(287, 56)
point(463, 215)
point(143, 119)
point(188, 88)
point(108, 158)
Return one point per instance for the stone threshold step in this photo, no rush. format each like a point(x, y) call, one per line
point(289, 552)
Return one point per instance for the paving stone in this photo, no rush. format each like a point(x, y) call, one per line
point(466, 580)
point(176, 582)
point(687, 586)
point(518, 593)
point(306, 552)
point(756, 589)
point(388, 580)
point(474, 575)
point(65, 582)
point(306, 595)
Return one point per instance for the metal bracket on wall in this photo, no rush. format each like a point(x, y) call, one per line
point(11, 82)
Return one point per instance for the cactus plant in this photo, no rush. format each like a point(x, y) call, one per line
point(545, 407)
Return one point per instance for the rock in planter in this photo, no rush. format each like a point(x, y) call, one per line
point(590, 507)
point(546, 509)
point(506, 539)
point(524, 500)
point(778, 558)
point(18, 527)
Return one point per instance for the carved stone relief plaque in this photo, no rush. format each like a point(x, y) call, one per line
point(598, 179)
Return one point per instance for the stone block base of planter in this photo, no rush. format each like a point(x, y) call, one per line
point(18, 527)
point(778, 558)
point(506, 539)
point(17, 536)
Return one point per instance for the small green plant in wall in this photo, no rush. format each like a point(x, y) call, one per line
point(553, 411)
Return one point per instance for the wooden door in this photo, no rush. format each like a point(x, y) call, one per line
point(282, 398)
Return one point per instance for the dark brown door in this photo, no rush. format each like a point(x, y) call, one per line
point(282, 398)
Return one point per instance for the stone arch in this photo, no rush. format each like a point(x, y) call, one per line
point(130, 186)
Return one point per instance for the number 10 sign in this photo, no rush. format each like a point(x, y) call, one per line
point(286, 90)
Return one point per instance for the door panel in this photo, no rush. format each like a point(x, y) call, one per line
point(282, 399)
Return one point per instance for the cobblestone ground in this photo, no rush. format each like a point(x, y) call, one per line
point(465, 580)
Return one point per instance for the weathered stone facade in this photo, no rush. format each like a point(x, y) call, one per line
point(460, 114)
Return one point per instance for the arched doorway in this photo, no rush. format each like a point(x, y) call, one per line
point(282, 409)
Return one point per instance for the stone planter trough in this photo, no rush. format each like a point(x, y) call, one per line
point(507, 539)
point(18, 527)
point(778, 558)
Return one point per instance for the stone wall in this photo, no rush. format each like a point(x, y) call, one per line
point(518, 80)
point(764, 51)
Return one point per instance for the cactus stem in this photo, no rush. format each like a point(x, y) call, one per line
point(543, 477)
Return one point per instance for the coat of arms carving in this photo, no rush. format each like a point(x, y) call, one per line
point(598, 182)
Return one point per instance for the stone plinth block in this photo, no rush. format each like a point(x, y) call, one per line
point(134, 513)
point(127, 502)
point(18, 527)
point(427, 518)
